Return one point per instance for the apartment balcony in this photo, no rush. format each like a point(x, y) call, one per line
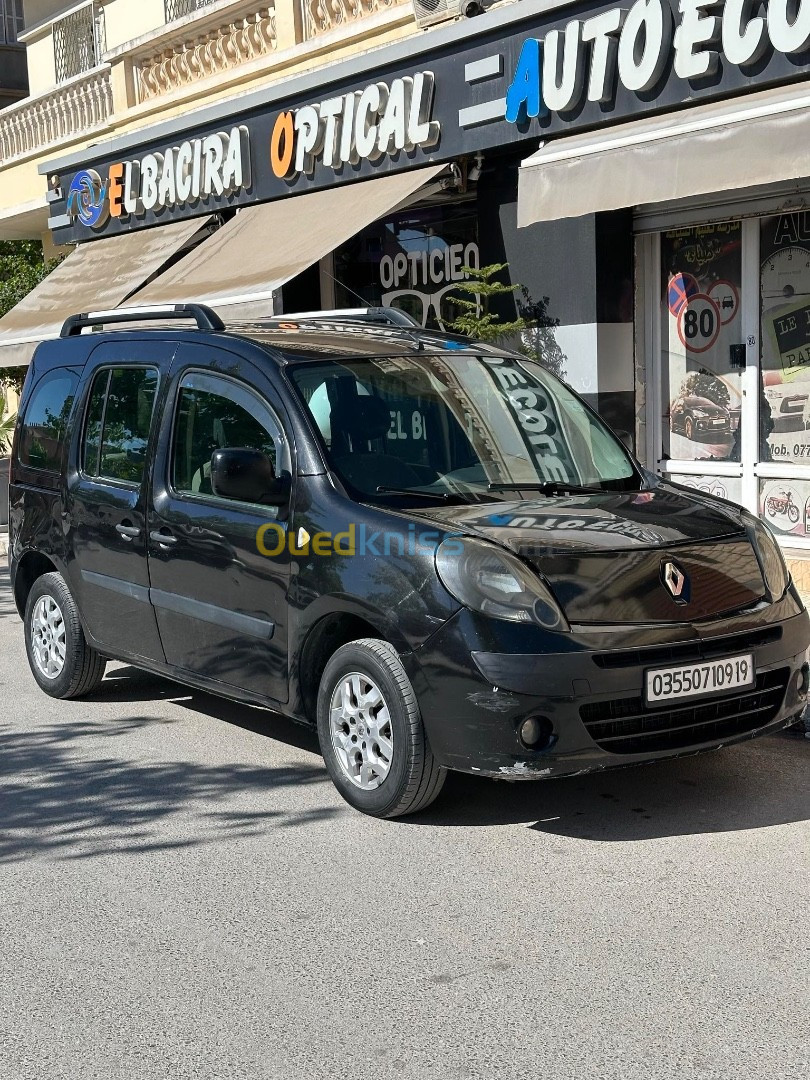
point(83, 88)
point(206, 39)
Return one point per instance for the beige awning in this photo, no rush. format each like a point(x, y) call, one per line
point(245, 262)
point(757, 139)
point(98, 275)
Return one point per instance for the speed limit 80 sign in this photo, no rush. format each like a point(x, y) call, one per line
point(699, 323)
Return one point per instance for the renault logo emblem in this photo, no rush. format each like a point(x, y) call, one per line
point(675, 582)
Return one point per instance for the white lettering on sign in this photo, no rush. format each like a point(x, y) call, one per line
point(632, 47)
point(424, 269)
point(216, 165)
point(365, 125)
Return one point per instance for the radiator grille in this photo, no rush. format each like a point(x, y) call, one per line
point(627, 726)
point(688, 652)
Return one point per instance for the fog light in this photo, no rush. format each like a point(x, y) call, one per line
point(803, 679)
point(536, 732)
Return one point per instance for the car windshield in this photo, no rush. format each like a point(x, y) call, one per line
point(457, 426)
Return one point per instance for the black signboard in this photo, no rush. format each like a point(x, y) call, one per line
point(616, 63)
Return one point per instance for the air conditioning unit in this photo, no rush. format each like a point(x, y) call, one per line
point(430, 12)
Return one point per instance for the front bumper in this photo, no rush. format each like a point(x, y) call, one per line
point(474, 697)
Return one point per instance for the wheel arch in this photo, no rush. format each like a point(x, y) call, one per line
point(31, 566)
point(322, 640)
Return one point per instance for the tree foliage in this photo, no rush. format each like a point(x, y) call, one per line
point(22, 267)
point(476, 320)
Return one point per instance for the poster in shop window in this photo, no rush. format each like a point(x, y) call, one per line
point(701, 276)
point(785, 335)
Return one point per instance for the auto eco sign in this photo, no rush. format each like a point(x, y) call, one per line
point(631, 48)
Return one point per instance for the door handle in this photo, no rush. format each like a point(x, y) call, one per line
point(164, 538)
point(128, 532)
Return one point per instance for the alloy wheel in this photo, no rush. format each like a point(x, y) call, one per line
point(361, 732)
point(48, 637)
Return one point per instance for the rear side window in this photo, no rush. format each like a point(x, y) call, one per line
point(119, 419)
point(43, 428)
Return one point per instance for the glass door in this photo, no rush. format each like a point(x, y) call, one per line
point(783, 461)
point(730, 370)
point(703, 411)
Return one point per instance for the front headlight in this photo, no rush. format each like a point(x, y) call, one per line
point(770, 557)
point(488, 579)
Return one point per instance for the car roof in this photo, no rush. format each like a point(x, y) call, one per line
point(296, 341)
point(282, 341)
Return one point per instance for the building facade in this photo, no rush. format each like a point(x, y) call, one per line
point(639, 168)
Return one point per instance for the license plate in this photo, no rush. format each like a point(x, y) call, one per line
point(718, 423)
point(699, 680)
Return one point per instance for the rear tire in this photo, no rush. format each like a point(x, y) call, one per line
point(61, 661)
point(371, 733)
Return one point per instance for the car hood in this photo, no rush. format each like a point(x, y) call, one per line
point(609, 521)
point(606, 557)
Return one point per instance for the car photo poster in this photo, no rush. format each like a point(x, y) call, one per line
point(701, 269)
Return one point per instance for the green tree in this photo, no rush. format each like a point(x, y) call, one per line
point(22, 267)
point(476, 320)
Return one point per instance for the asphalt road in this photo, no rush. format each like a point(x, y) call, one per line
point(183, 894)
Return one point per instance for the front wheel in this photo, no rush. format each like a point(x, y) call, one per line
point(61, 661)
point(371, 733)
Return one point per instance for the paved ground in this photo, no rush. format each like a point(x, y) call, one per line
point(182, 894)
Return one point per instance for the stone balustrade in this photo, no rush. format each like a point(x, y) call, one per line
point(76, 108)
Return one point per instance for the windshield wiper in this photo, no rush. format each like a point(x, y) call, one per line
point(550, 487)
point(444, 495)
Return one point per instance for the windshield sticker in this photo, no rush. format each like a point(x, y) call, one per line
point(537, 419)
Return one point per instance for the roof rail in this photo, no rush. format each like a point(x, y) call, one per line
point(205, 318)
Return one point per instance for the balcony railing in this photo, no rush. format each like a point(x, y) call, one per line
point(246, 33)
point(321, 16)
point(176, 9)
point(79, 41)
point(77, 108)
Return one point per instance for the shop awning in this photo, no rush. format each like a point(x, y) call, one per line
point(246, 261)
point(742, 143)
point(96, 276)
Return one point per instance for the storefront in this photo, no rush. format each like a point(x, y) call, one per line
point(640, 170)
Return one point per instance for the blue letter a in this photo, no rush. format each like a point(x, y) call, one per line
point(523, 95)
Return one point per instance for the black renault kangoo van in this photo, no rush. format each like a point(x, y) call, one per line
point(432, 550)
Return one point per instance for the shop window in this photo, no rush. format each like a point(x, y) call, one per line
point(701, 274)
point(412, 261)
point(784, 429)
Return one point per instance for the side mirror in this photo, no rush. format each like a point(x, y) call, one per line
point(247, 476)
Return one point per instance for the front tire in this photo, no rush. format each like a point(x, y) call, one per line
point(61, 661)
point(371, 733)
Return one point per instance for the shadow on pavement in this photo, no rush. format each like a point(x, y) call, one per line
point(59, 799)
point(55, 799)
point(751, 786)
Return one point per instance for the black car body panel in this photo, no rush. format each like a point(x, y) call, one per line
point(188, 590)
